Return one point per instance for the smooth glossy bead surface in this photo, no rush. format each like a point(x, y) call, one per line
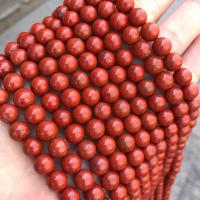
point(157, 102)
point(50, 101)
point(75, 46)
point(70, 193)
point(117, 74)
point(127, 90)
point(173, 62)
point(121, 108)
point(124, 57)
point(138, 105)
point(137, 17)
point(36, 52)
point(99, 77)
point(118, 21)
point(88, 13)
point(135, 72)
point(82, 31)
point(3, 96)
point(102, 111)
point(5, 67)
point(110, 180)
point(164, 80)
point(149, 120)
point(96, 193)
point(55, 48)
point(150, 31)
point(127, 175)
point(142, 138)
point(162, 46)
point(100, 27)
point(114, 127)
point(87, 61)
point(146, 88)
point(29, 69)
point(132, 123)
point(126, 142)
point(136, 157)
point(94, 44)
point(32, 146)
point(141, 49)
point(106, 59)
point(62, 117)
point(8, 113)
point(118, 161)
point(112, 41)
point(18, 56)
point(119, 193)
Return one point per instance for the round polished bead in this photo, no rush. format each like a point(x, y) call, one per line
point(106, 9)
point(162, 46)
point(29, 69)
point(62, 117)
point(102, 111)
point(106, 59)
point(135, 72)
point(157, 102)
point(3, 96)
point(190, 91)
point(110, 180)
point(35, 28)
point(13, 81)
point(70, 193)
point(40, 85)
point(87, 61)
point(70, 97)
point(58, 147)
point(142, 170)
point(180, 109)
point(82, 31)
point(54, 24)
point(149, 121)
point(127, 90)
point(135, 157)
point(82, 114)
point(121, 108)
point(117, 74)
point(18, 56)
point(5, 67)
point(44, 164)
point(94, 44)
point(47, 20)
point(157, 135)
point(118, 161)
point(50, 101)
point(127, 175)
point(60, 11)
point(146, 87)
point(19, 130)
point(99, 77)
point(134, 186)
point(174, 95)
point(86, 149)
point(32, 146)
point(79, 80)
point(57, 181)
point(74, 133)
point(183, 121)
point(183, 77)
point(70, 18)
point(47, 66)
point(75, 46)
point(114, 127)
point(100, 27)
point(44, 36)
point(110, 93)
point(84, 180)
point(59, 81)
point(126, 142)
point(34, 114)
point(132, 123)
point(138, 105)
point(26, 40)
point(88, 13)
point(194, 104)
point(165, 117)
point(173, 62)
point(23, 98)
point(8, 113)
point(55, 48)
point(130, 35)
point(99, 165)
point(118, 21)
point(36, 52)
point(124, 57)
point(75, 5)
point(164, 80)
point(124, 6)
point(96, 193)
point(150, 31)
point(10, 47)
point(142, 138)
point(112, 41)
point(106, 145)
point(64, 33)
point(120, 192)
point(137, 17)
point(141, 49)
point(71, 164)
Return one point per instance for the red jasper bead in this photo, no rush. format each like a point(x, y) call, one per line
point(118, 161)
point(82, 31)
point(142, 170)
point(127, 175)
point(64, 33)
point(121, 108)
point(36, 52)
point(137, 17)
point(162, 46)
point(142, 138)
point(135, 72)
point(99, 165)
point(183, 77)
point(32, 146)
point(150, 151)
point(86, 149)
point(132, 123)
point(35, 28)
point(180, 109)
point(5, 67)
point(79, 80)
point(47, 20)
point(127, 90)
point(183, 121)
point(62, 117)
point(118, 21)
point(100, 27)
point(141, 49)
point(57, 181)
point(75, 46)
point(130, 35)
point(114, 127)
point(157, 102)
point(74, 133)
point(59, 81)
point(47, 66)
point(146, 87)
point(106, 59)
point(70, 97)
point(138, 105)
point(94, 44)
point(13, 81)
point(71, 163)
point(157, 135)
point(135, 157)
point(112, 41)
point(150, 31)
point(165, 117)
point(55, 24)
point(18, 56)
point(173, 62)
point(44, 164)
point(19, 130)
point(190, 91)
point(126, 142)
point(102, 111)
point(119, 193)
point(194, 104)
point(29, 69)
point(87, 61)
point(95, 129)
point(50, 101)
point(149, 120)
point(44, 36)
point(106, 145)
point(110, 180)
point(110, 93)
point(10, 47)
point(3, 96)
point(82, 114)
point(117, 74)
point(96, 193)
point(164, 80)
point(70, 193)
point(124, 5)
point(70, 18)
point(26, 40)
point(60, 11)
point(40, 85)
point(88, 13)
point(75, 5)
point(174, 95)
point(8, 113)
point(124, 57)
point(23, 98)
point(84, 180)
point(55, 48)
point(106, 9)
point(34, 114)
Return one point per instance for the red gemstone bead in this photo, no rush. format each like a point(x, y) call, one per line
point(29, 69)
point(106, 9)
point(96, 193)
point(110, 180)
point(127, 175)
point(117, 74)
point(82, 31)
point(135, 72)
point(132, 123)
point(36, 52)
point(106, 59)
point(135, 157)
point(112, 41)
point(162, 46)
point(157, 102)
point(70, 18)
point(118, 161)
point(102, 111)
point(110, 93)
point(164, 80)
point(70, 193)
point(75, 46)
point(87, 61)
point(44, 36)
point(94, 44)
point(62, 117)
point(5, 67)
point(88, 13)
point(138, 105)
point(79, 80)
point(127, 90)
point(64, 33)
point(32, 146)
point(100, 27)
point(183, 77)
point(124, 6)
point(149, 120)
point(114, 127)
point(124, 57)
point(141, 49)
point(137, 17)
point(8, 113)
point(173, 62)
point(150, 31)
point(126, 142)
point(3, 96)
point(75, 5)
point(118, 21)
point(142, 138)
point(59, 81)
point(55, 48)
point(121, 108)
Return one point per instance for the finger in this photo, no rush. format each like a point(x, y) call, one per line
point(18, 179)
point(154, 8)
point(192, 59)
point(183, 26)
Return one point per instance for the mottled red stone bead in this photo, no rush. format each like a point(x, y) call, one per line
point(88, 13)
point(102, 111)
point(55, 24)
point(121, 108)
point(70, 193)
point(114, 127)
point(137, 17)
point(60, 11)
point(135, 72)
point(36, 52)
point(124, 5)
point(26, 40)
point(39, 85)
point(183, 77)
point(79, 80)
point(173, 62)
point(87, 61)
point(44, 36)
point(150, 31)
point(150, 151)
point(64, 33)
point(174, 95)
point(59, 81)
point(190, 91)
point(62, 117)
point(138, 105)
point(165, 117)
point(135, 157)
point(194, 104)
point(110, 93)
point(47, 66)
point(75, 5)
point(100, 27)
point(127, 175)
point(142, 138)
point(119, 193)
point(157, 135)
point(162, 46)
point(124, 57)
point(164, 80)
point(126, 142)
point(106, 9)
point(5, 67)
point(35, 28)
point(82, 31)
point(75, 46)
point(132, 123)
point(3, 96)
point(117, 74)
point(157, 102)
point(112, 41)
point(94, 44)
point(146, 87)
point(118, 21)
point(29, 69)
point(55, 48)
point(96, 193)
point(18, 56)
point(106, 59)
point(141, 49)
point(127, 90)
point(8, 113)
point(32, 146)
point(70, 18)
point(149, 120)
point(118, 161)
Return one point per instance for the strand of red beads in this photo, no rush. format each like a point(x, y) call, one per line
point(116, 128)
